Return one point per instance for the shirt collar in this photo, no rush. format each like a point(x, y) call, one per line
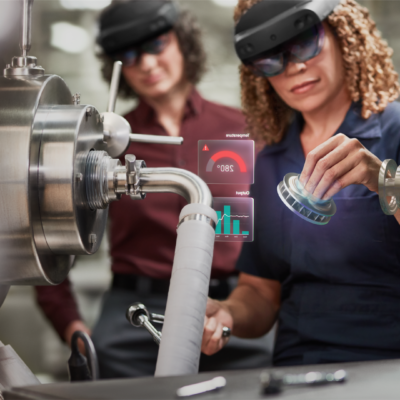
point(194, 106)
point(194, 103)
point(353, 126)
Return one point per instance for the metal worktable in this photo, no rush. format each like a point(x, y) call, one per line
point(379, 380)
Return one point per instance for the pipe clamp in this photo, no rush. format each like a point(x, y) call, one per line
point(197, 217)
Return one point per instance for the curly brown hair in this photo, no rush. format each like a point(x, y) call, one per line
point(369, 72)
point(189, 35)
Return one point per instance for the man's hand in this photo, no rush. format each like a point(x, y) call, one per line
point(217, 317)
point(73, 327)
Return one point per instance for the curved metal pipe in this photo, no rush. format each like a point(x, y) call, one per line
point(175, 180)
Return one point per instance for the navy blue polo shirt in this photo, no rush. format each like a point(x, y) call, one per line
point(340, 282)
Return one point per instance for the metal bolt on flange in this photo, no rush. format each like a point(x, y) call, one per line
point(76, 99)
point(92, 238)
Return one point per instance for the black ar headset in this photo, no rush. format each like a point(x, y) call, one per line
point(272, 22)
point(131, 23)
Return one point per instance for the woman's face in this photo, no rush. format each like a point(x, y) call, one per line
point(312, 84)
point(155, 75)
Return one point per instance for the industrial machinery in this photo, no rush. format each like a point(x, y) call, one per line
point(58, 174)
point(57, 178)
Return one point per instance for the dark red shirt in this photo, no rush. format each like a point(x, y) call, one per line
point(143, 233)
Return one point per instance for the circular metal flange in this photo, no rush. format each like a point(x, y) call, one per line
point(68, 134)
point(389, 208)
point(303, 204)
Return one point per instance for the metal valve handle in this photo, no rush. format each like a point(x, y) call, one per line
point(155, 139)
point(115, 78)
point(117, 131)
point(138, 315)
point(24, 65)
point(26, 27)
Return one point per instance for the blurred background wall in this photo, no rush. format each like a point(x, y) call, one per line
point(63, 41)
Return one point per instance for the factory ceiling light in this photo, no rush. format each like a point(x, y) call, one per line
point(85, 4)
point(225, 3)
point(69, 38)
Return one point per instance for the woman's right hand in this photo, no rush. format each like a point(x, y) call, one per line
point(217, 317)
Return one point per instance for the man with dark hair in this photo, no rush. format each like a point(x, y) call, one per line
point(163, 58)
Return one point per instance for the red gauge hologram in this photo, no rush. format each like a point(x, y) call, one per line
point(226, 161)
point(226, 154)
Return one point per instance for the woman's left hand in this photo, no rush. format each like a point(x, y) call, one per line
point(338, 163)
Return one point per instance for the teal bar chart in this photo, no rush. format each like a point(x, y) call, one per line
point(227, 216)
point(218, 228)
point(236, 227)
point(235, 219)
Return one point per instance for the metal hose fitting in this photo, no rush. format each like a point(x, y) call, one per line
point(100, 175)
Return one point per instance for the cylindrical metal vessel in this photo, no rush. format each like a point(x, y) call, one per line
point(44, 216)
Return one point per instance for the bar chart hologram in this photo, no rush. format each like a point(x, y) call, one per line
point(235, 219)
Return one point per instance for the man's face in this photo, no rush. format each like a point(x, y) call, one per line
point(157, 75)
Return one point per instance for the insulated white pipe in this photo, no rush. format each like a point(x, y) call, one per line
point(182, 332)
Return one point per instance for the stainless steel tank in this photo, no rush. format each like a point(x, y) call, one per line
point(45, 140)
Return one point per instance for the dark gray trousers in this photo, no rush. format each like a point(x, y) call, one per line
point(126, 351)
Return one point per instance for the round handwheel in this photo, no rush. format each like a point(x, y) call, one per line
point(389, 208)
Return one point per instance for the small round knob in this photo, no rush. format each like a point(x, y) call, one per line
point(134, 312)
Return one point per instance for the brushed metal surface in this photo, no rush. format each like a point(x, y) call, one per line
point(175, 180)
point(26, 257)
point(69, 132)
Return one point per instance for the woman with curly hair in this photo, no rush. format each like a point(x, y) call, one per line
point(323, 102)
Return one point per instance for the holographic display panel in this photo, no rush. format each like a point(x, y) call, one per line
point(235, 219)
point(226, 161)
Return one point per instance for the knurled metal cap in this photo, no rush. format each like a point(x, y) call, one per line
point(304, 204)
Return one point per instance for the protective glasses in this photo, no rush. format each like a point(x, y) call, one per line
point(302, 48)
point(132, 56)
